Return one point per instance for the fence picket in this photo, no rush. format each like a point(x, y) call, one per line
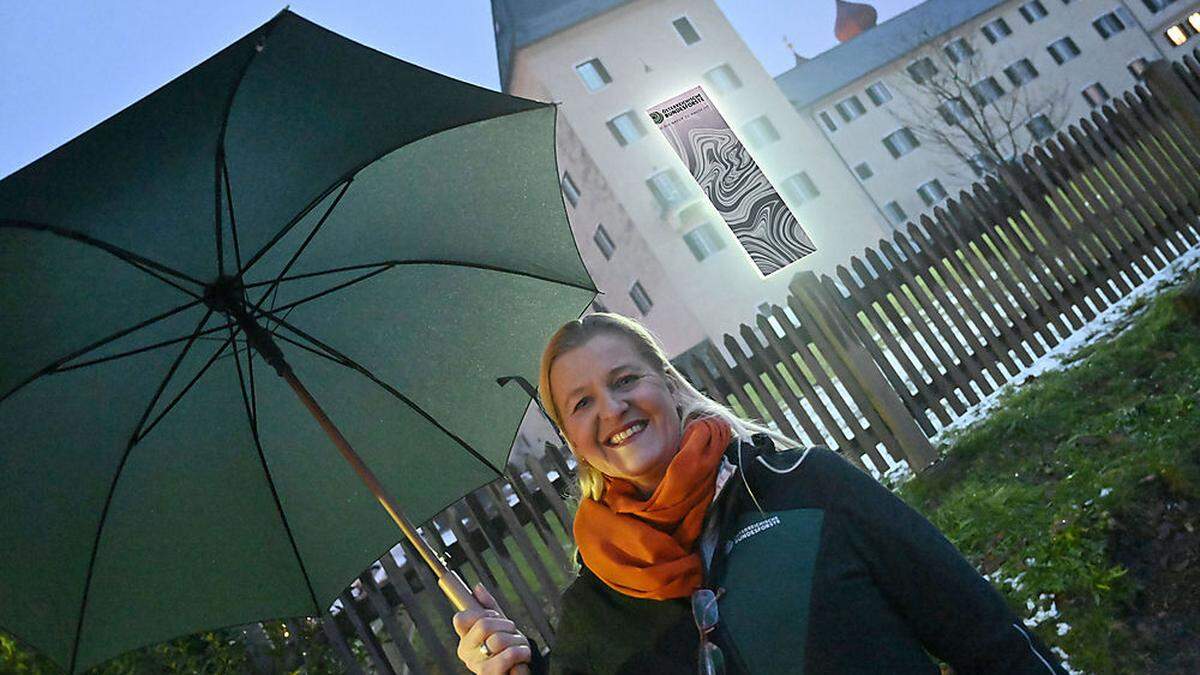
point(435, 637)
point(391, 626)
point(973, 294)
point(833, 429)
point(363, 630)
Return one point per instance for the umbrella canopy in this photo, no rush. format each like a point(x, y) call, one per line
point(401, 234)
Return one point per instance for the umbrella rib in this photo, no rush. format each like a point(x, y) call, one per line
point(312, 350)
point(139, 350)
point(353, 365)
point(252, 416)
point(349, 175)
point(237, 248)
point(307, 275)
point(143, 432)
point(292, 223)
point(384, 266)
point(491, 268)
point(304, 245)
point(112, 488)
point(57, 365)
point(296, 303)
point(219, 162)
point(140, 262)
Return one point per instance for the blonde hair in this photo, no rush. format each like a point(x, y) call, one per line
point(692, 404)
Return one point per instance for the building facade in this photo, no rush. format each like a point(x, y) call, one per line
point(909, 104)
point(606, 63)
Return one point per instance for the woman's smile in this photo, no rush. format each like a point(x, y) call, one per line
point(619, 438)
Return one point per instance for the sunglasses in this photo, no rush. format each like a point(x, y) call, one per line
point(704, 612)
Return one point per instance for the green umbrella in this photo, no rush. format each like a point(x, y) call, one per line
point(387, 238)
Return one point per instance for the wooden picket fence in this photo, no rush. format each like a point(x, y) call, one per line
point(871, 361)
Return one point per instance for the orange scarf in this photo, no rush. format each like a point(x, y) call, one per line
point(646, 548)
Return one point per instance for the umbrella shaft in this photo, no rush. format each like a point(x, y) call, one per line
point(449, 581)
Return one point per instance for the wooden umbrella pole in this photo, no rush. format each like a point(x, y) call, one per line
point(448, 580)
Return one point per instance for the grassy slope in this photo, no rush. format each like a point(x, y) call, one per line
point(1020, 492)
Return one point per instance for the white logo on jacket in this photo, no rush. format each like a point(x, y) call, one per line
point(751, 530)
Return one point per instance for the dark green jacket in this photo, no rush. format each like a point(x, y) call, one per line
point(834, 575)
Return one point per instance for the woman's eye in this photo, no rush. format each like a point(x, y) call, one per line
point(626, 379)
point(580, 403)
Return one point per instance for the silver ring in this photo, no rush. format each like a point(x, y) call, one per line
point(483, 649)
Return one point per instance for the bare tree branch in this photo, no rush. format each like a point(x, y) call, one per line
point(948, 110)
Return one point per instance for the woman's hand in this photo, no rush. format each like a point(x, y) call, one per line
point(489, 626)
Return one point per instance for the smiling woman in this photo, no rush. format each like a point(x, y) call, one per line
point(705, 549)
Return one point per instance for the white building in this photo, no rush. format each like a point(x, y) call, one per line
point(1029, 65)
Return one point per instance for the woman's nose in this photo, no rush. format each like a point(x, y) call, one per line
point(613, 405)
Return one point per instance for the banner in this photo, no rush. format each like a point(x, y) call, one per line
point(746, 200)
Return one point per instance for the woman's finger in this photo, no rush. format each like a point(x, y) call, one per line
point(485, 598)
point(485, 628)
point(465, 619)
point(498, 642)
point(502, 663)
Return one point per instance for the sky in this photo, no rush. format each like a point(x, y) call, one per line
point(66, 65)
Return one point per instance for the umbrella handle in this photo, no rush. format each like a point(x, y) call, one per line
point(452, 585)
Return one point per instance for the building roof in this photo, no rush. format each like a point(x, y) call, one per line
point(833, 69)
point(519, 23)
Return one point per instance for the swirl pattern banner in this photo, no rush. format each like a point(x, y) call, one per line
point(732, 181)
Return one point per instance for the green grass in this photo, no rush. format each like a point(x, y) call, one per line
point(1020, 493)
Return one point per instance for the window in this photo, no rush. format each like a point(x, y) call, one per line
point(1040, 127)
point(895, 213)
point(863, 171)
point(626, 127)
point(723, 79)
point(931, 192)
point(986, 90)
point(996, 31)
point(1156, 6)
point(1021, 72)
point(703, 241)
point(604, 242)
point(594, 74)
point(827, 120)
point(760, 132)
point(901, 142)
point(851, 108)
point(686, 31)
point(954, 111)
point(667, 188)
point(922, 69)
point(1063, 50)
point(801, 188)
point(1095, 94)
point(1138, 66)
point(1033, 11)
point(879, 93)
point(1177, 35)
point(640, 298)
point(569, 189)
point(1108, 25)
point(958, 50)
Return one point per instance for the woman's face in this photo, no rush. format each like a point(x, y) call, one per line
point(616, 410)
